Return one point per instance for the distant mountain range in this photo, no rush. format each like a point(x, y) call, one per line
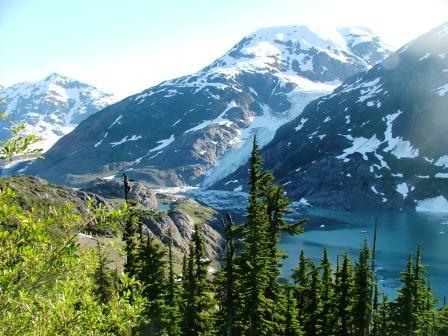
point(197, 129)
point(51, 107)
point(378, 141)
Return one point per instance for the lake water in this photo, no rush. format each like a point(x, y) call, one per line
point(399, 234)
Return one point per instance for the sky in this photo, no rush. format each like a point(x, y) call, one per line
point(124, 47)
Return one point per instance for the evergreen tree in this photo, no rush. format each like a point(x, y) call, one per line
point(225, 281)
point(199, 303)
point(375, 311)
point(254, 260)
point(423, 300)
point(414, 307)
point(313, 311)
point(188, 294)
point(404, 319)
point(131, 241)
point(343, 298)
point(442, 321)
point(363, 291)
point(152, 277)
point(292, 327)
point(302, 281)
point(327, 313)
point(277, 206)
point(172, 318)
point(384, 323)
point(104, 282)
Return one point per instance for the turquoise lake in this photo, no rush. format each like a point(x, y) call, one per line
point(399, 234)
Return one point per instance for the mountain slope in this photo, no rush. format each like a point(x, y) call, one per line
point(378, 141)
point(195, 129)
point(51, 107)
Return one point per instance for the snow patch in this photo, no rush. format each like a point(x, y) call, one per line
point(361, 145)
point(163, 143)
point(125, 139)
point(402, 189)
point(301, 123)
point(435, 204)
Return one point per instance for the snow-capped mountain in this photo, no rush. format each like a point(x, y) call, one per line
point(197, 128)
point(51, 107)
point(378, 141)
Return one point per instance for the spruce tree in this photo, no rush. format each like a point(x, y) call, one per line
point(131, 241)
point(343, 298)
point(404, 318)
point(292, 326)
point(327, 312)
point(152, 277)
point(104, 282)
point(198, 296)
point(254, 259)
point(171, 321)
point(363, 291)
point(384, 323)
point(302, 280)
point(374, 331)
point(313, 311)
point(225, 284)
point(188, 294)
point(277, 206)
point(423, 300)
point(442, 321)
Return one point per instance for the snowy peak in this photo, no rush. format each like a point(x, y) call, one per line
point(307, 51)
point(377, 141)
point(53, 106)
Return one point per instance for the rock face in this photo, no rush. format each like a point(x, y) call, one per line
point(38, 193)
point(182, 228)
point(50, 108)
point(378, 141)
point(140, 192)
point(196, 129)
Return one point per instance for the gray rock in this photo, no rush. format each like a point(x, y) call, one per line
point(140, 191)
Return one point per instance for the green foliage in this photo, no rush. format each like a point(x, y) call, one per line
point(413, 311)
point(49, 287)
point(152, 277)
point(18, 144)
point(343, 298)
point(326, 318)
point(362, 291)
point(103, 278)
point(198, 299)
point(131, 240)
point(292, 326)
point(172, 318)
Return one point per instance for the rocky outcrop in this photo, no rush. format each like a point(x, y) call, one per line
point(33, 191)
point(140, 191)
point(181, 226)
point(39, 194)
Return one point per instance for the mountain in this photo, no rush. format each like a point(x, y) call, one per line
point(50, 108)
point(378, 141)
point(195, 129)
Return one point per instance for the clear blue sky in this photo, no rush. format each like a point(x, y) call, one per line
point(127, 46)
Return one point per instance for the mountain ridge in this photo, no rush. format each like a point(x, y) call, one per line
point(376, 142)
point(209, 117)
point(51, 107)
